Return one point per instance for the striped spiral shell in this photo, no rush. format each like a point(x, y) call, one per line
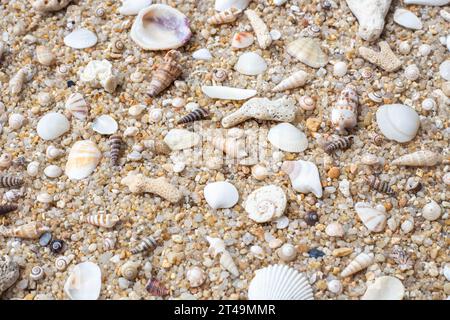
point(115, 143)
point(116, 49)
point(379, 185)
point(102, 220)
point(219, 75)
point(32, 230)
point(155, 288)
point(100, 12)
point(377, 139)
point(36, 273)
point(362, 261)
point(148, 243)
point(307, 103)
point(196, 115)
point(108, 244)
point(61, 263)
point(339, 143)
point(4, 209)
point(165, 74)
point(129, 270)
point(226, 16)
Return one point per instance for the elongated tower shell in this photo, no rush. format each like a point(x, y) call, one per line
point(166, 73)
point(362, 261)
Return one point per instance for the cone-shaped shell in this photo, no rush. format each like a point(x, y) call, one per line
point(422, 158)
point(227, 262)
point(308, 51)
point(84, 157)
point(304, 176)
point(166, 73)
point(279, 282)
point(84, 282)
point(362, 261)
point(297, 79)
point(31, 230)
point(102, 220)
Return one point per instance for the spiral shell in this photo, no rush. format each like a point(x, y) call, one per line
point(307, 103)
point(196, 115)
point(381, 186)
point(115, 143)
point(377, 139)
point(266, 203)
point(17, 81)
point(339, 143)
point(5, 160)
point(362, 261)
point(56, 246)
point(53, 153)
point(31, 230)
point(156, 288)
point(77, 106)
point(287, 252)
point(7, 181)
point(6, 208)
point(108, 244)
point(422, 158)
point(166, 73)
point(100, 12)
point(219, 75)
point(116, 48)
point(196, 277)
point(61, 263)
point(102, 220)
point(36, 273)
point(129, 270)
point(227, 262)
point(375, 97)
point(226, 16)
point(297, 79)
point(344, 113)
point(146, 244)
point(45, 56)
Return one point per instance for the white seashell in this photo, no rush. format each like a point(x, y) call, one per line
point(61, 263)
point(84, 282)
point(304, 176)
point(446, 271)
point(362, 261)
point(259, 172)
point(412, 72)
point(82, 160)
point(428, 2)
point(16, 121)
point(108, 244)
point(444, 70)
point(53, 152)
point(308, 51)
point(160, 27)
point(216, 246)
point(155, 115)
point(221, 194)
point(179, 139)
point(45, 99)
point(105, 125)
point(340, 69)
point(279, 2)
point(242, 40)
point(44, 197)
point(12, 195)
point(81, 39)
point(266, 203)
point(398, 122)
point(384, 288)
point(45, 56)
point(424, 49)
point(297, 79)
point(428, 104)
point(53, 171)
point(279, 282)
point(422, 158)
point(132, 7)
point(77, 106)
point(373, 218)
point(260, 28)
point(251, 64)
point(129, 270)
point(275, 34)
point(404, 47)
point(407, 19)
point(5, 160)
point(202, 54)
point(196, 277)
point(431, 211)
point(445, 14)
point(407, 226)
point(226, 261)
point(287, 252)
point(136, 110)
point(288, 138)
point(446, 178)
point(257, 251)
point(37, 273)
point(33, 168)
point(52, 126)
point(334, 229)
point(335, 286)
point(228, 93)
point(222, 5)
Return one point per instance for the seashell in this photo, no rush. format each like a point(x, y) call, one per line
point(219, 75)
point(307, 103)
point(105, 125)
point(373, 218)
point(260, 28)
point(231, 146)
point(179, 139)
point(370, 15)
point(308, 51)
point(371, 159)
point(17, 81)
point(52, 125)
point(16, 121)
point(84, 282)
point(340, 69)
point(335, 286)
point(381, 186)
point(407, 19)
point(83, 158)
point(222, 5)
point(155, 115)
point(108, 244)
point(146, 244)
point(44, 197)
point(288, 138)
point(287, 252)
point(196, 277)
point(196, 115)
point(99, 73)
point(422, 158)
point(61, 263)
point(32, 169)
point(53, 152)
point(36, 273)
point(296, 80)
point(226, 16)
point(339, 143)
point(159, 147)
point(226, 261)
point(216, 246)
point(279, 282)
point(136, 110)
point(257, 251)
point(31, 230)
point(12, 195)
point(129, 270)
point(431, 211)
point(155, 288)
point(360, 262)
point(412, 73)
point(9, 273)
point(428, 2)
point(401, 258)
point(160, 27)
point(49, 5)
point(282, 110)
point(100, 12)
point(132, 7)
point(266, 203)
point(375, 97)
point(138, 183)
point(7, 181)
point(344, 114)
point(242, 40)
point(56, 246)
point(413, 184)
point(202, 54)
point(77, 106)
point(5, 160)
point(80, 39)
point(116, 48)
point(259, 172)
point(101, 220)
point(115, 143)
point(250, 64)
point(444, 70)
point(45, 56)
point(168, 71)
point(304, 176)
point(377, 139)
point(384, 288)
point(45, 99)
point(334, 229)
point(228, 93)
point(53, 171)
point(7, 208)
point(221, 195)
point(428, 104)
point(385, 58)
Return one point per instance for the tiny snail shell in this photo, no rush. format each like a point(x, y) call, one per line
point(195, 276)
point(61, 263)
point(404, 47)
point(287, 252)
point(412, 72)
point(33, 168)
point(5, 160)
point(340, 69)
point(334, 286)
point(16, 121)
point(334, 229)
point(137, 77)
point(307, 103)
point(53, 152)
point(375, 97)
point(36, 273)
point(100, 12)
point(219, 74)
point(428, 104)
point(63, 70)
point(367, 73)
point(129, 270)
point(424, 50)
point(53, 171)
point(56, 246)
point(259, 172)
point(108, 244)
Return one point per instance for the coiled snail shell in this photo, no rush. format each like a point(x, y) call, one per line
point(36, 273)
point(61, 263)
point(129, 270)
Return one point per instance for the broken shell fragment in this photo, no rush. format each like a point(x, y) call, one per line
point(105, 125)
point(81, 39)
point(266, 203)
point(304, 176)
point(242, 40)
point(288, 138)
point(84, 282)
point(373, 218)
point(179, 139)
point(45, 56)
point(385, 58)
point(49, 5)
point(221, 194)
point(9, 273)
point(260, 28)
point(83, 158)
point(384, 288)
point(52, 125)
point(407, 19)
point(228, 93)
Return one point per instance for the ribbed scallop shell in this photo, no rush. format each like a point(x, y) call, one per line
point(422, 158)
point(362, 261)
point(77, 106)
point(297, 79)
point(266, 203)
point(308, 51)
point(279, 282)
point(84, 157)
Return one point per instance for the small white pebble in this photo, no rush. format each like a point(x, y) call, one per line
point(334, 286)
point(424, 50)
point(131, 132)
point(136, 110)
point(275, 34)
point(53, 171)
point(407, 226)
point(428, 104)
point(340, 69)
point(16, 121)
point(178, 103)
point(33, 168)
point(178, 167)
point(431, 211)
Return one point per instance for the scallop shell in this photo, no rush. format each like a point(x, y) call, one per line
point(83, 158)
point(308, 51)
point(250, 64)
point(132, 7)
point(81, 39)
point(362, 261)
point(228, 93)
point(288, 138)
point(179, 139)
point(160, 27)
point(77, 106)
point(266, 203)
point(384, 288)
point(242, 40)
point(398, 122)
point(422, 158)
point(222, 5)
point(407, 19)
point(304, 176)
point(129, 270)
point(52, 125)
point(297, 79)
point(84, 282)
point(221, 194)
point(373, 218)
point(279, 282)
point(105, 125)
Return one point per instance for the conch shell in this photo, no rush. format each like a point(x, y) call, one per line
point(362, 261)
point(422, 158)
point(31, 230)
point(165, 74)
point(345, 112)
point(138, 183)
point(304, 176)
